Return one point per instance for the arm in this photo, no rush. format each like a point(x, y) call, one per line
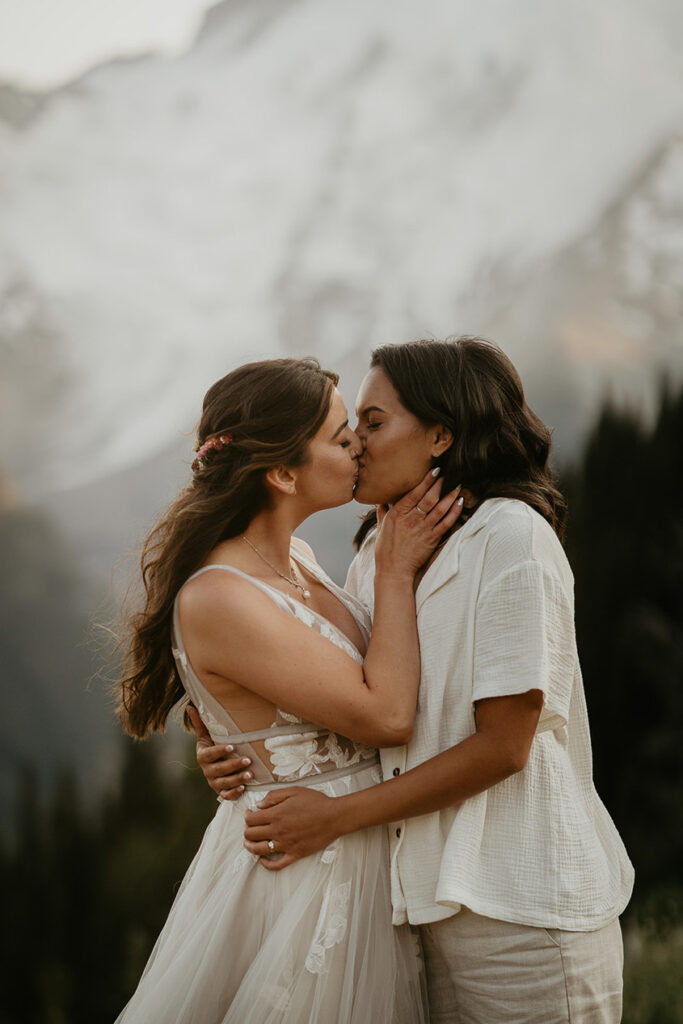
point(292, 666)
point(299, 823)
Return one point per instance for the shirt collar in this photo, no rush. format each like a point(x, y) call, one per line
point(447, 563)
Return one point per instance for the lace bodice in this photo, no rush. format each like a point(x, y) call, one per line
point(297, 749)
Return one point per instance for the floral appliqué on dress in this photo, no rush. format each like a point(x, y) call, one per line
point(331, 927)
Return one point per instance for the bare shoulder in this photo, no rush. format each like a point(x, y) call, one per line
point(221, 596)
point(304, 549)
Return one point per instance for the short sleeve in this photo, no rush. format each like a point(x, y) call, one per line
point(524, 640)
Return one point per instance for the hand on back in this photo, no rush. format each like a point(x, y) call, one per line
point(225, 774)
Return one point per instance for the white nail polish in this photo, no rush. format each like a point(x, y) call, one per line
point(436, 471)
point(461, 501)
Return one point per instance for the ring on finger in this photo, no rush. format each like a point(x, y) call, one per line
point(271, 846)
point(420, 510)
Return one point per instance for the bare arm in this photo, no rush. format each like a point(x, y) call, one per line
point(287, 663)
point(299, 823)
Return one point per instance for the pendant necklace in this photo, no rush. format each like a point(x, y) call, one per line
point(288, 579)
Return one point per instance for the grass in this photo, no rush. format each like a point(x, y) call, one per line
point(653, 967)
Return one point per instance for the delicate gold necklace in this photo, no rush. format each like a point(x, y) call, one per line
point(288, 579)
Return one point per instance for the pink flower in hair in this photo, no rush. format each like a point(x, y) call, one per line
point(213, 444)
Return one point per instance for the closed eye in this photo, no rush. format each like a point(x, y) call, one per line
point(373, 426)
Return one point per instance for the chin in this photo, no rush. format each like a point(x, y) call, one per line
point(364, 496)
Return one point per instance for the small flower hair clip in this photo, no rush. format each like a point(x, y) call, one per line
point(214, 444)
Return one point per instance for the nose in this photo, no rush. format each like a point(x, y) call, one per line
point(356, 445)
point(360, 434)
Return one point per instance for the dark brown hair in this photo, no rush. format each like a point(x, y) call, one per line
point(272, 410)
point(500, 446)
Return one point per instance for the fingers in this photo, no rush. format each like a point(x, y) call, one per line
point(430, 500)
point(258, 834)
point(266, 858)
point(225, 775)
point(264, 815)
point(261, 848)
point(441, 508)
point(217, 760)
point(414, 497)
point(200, 729)
point(230, 786)
point(231, 794)
point(278, 863)
point(451, 516)
point(277, 796)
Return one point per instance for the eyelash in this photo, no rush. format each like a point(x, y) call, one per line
point(373, 426)
point(345, 444)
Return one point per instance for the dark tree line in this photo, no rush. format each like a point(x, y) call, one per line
point(625, 543)
point(86, 887)
point(85, 892)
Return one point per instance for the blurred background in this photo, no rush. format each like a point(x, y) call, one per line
point(184, 187)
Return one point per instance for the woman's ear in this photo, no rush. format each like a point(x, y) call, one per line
point(442, 439)
point(282, 479)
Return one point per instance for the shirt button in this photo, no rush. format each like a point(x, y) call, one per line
point(398, 833)
point(397, 771)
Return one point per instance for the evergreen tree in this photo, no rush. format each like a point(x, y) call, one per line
point(625, 543)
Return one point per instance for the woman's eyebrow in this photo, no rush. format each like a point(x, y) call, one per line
point(370, 408)
point(340, 428)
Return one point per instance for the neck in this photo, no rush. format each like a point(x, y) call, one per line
point(271, 532)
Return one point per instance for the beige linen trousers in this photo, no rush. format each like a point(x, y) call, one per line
point(482, 971)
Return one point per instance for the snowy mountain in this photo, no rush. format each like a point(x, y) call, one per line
point(317, 177)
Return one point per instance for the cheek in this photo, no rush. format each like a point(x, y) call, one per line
point(395, 464)
point(397, 452)
point(333, 469)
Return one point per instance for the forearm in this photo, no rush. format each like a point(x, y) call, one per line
point(459, 773)
point(392, 662)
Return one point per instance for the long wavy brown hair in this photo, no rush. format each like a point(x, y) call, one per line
point(272, 410)
point(500, 447)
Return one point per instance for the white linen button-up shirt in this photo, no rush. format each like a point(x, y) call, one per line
point(495, 617)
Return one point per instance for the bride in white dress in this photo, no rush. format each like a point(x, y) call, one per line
point(241, 620)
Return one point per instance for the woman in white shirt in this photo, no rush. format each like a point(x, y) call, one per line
point(501, 850)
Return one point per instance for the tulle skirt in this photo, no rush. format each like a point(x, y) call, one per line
point(312, 944)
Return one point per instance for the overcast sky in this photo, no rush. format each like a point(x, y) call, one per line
point(44, 43)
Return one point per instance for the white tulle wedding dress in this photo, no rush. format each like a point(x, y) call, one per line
point(311, 943)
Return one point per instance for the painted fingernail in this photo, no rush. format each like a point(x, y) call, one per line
point(436, 471)
point(248, 775)
point(460, 501)
point(229, 749)
point(246, 760)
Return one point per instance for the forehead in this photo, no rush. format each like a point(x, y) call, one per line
point(336, 413)
point(377, 390)
point(337, 406)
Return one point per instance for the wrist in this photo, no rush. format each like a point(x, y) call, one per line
point(344, 818)
point(394, 576)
